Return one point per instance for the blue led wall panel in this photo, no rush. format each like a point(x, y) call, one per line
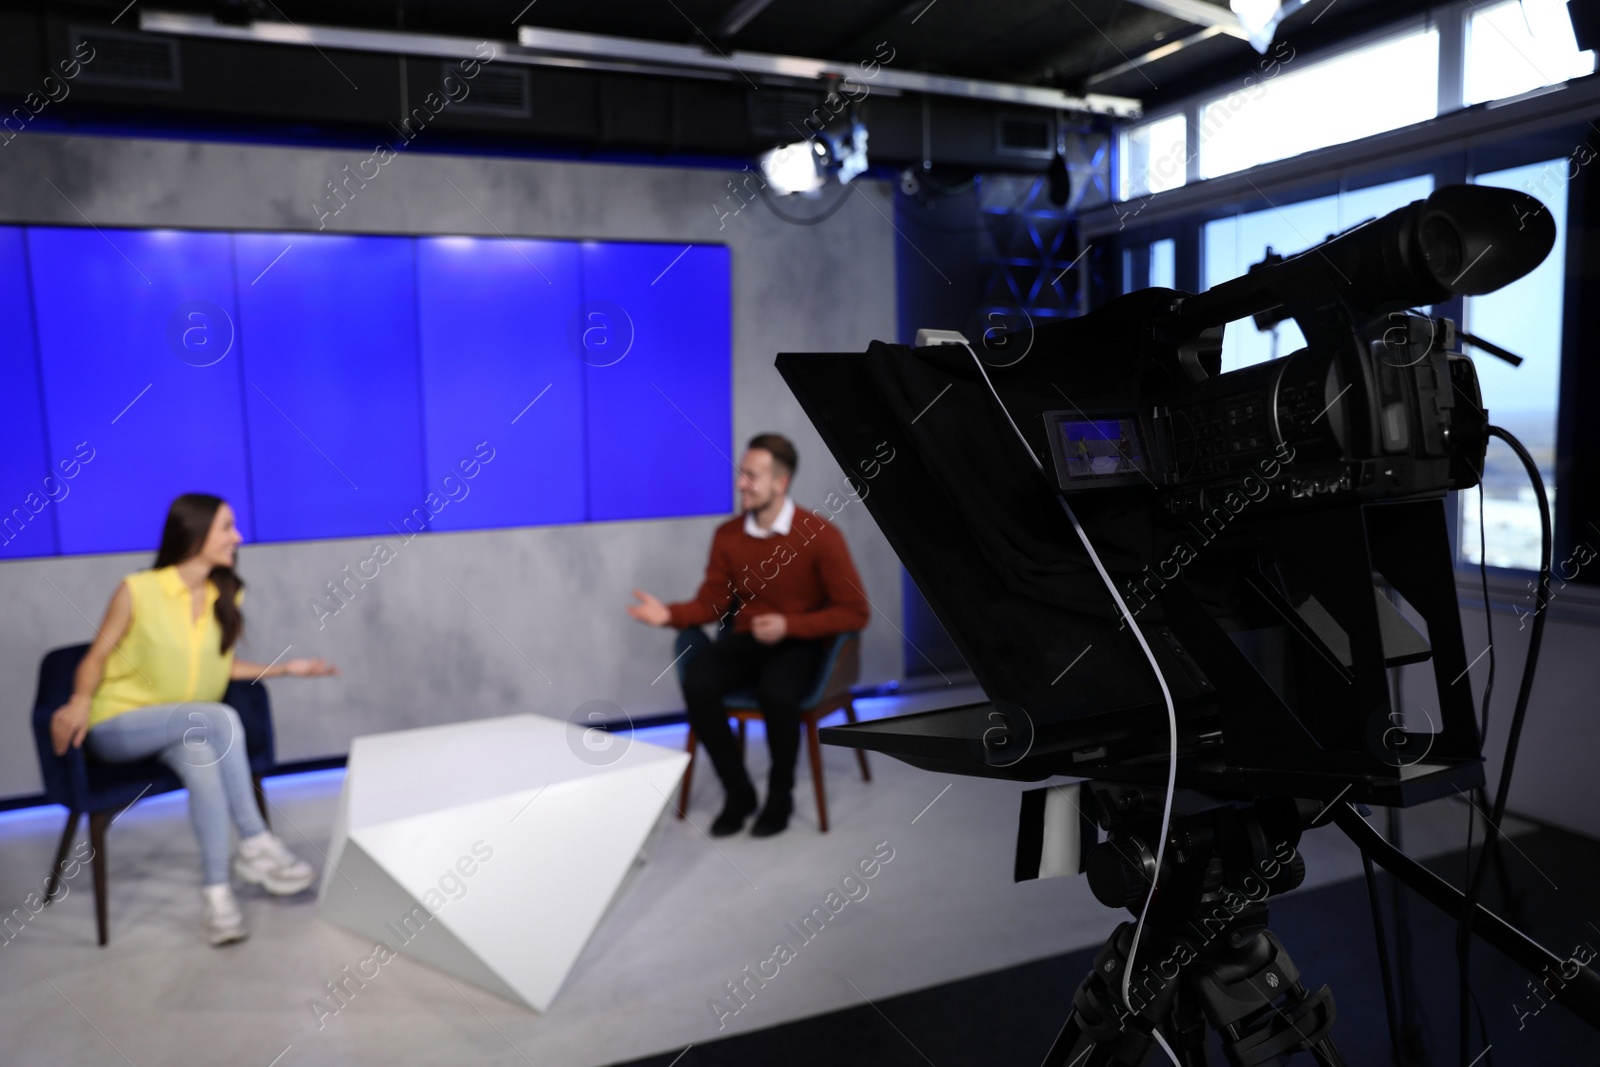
point(139, 361)
point(344, 386)
point(658, 368)
point(28, 502)
point(500, 379)
point(331, 382)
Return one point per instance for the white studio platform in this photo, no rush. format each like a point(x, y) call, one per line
point(490, 849)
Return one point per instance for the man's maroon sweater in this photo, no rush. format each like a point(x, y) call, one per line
point(805, 575)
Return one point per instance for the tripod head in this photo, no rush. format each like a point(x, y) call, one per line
point(1218, 861)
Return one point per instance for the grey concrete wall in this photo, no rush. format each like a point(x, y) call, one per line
point(463, 625)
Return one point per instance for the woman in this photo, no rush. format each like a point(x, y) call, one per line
point(152, 682)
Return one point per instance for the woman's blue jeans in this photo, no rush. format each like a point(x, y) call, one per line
point(203, 743)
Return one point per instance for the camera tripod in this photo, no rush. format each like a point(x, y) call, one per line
point(1242, 984)
point(1206, 960)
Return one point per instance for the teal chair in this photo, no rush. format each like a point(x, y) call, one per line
point(840, 669)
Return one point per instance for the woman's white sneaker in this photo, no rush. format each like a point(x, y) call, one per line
point(223, 920)
point(264, 860)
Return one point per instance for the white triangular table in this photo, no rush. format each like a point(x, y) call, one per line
point(491, 848)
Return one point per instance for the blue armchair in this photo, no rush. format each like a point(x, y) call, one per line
point(83, 784)
point(840, 669)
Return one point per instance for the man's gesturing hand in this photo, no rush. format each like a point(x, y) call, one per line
point(769, 629)
point(649, 609)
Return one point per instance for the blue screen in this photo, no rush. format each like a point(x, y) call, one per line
point(339, 386)
point(30, 503)
point(139, 363)
point(658, 368)
point(332, 382)
point(500, 379)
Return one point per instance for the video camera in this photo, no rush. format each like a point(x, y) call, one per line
point(1278, 535)
point(1243, 517)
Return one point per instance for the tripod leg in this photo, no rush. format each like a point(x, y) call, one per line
point(1190, 1052)
point(1325, 1054)
point(1073, 1048)
point(1390, 1002)
point(1071, 1034)
point(1185, 1029)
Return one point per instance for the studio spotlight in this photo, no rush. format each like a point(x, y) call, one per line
point(805, 166)
point(793, 168)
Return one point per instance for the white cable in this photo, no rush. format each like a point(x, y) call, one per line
point(1172, 711)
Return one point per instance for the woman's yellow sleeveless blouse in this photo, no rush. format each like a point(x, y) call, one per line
point(167, 656)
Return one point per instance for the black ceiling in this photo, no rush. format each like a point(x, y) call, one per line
point(1059, 43)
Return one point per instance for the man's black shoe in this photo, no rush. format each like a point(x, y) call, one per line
point(735, 811)
point(774, 818)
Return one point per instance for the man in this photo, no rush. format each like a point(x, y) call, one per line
point(786, 579)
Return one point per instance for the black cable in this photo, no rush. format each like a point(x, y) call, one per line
point(1488, 625)
point(1518, 715)
point(1383, 961)
point(809, 220)
point(1483, 739)
point(1409, 1009)
point(1412, 1015)
point(1510, 901)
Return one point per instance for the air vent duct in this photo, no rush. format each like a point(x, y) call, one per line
point(493, 91)
point(128, 60)
point(781, 116)
point(1024, 135)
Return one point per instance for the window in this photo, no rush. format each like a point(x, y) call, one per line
point(1232, 245)
point(1515, 47)
point(1154, 265)
point(1524, 317)
point(1163, 265)
point(1155, 157)
point(1364, 91)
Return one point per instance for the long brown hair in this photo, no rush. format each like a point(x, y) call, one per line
point(188, 524)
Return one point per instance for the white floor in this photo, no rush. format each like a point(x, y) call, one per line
point(688, 921)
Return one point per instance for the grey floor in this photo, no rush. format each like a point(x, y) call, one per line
point(687, 922)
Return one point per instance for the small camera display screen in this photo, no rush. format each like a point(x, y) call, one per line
point(1092, 449)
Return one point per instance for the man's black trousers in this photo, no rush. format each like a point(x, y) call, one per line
point(781, 675)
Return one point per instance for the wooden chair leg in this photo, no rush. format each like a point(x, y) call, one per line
point(261, 800)
point(861, 753)
point(98, 821)
point(688, 777)
point(815, 751)
point(67, 834)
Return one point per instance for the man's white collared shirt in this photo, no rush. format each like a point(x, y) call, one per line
point(780, 525)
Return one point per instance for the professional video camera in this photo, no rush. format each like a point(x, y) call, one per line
point(1162, 574)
